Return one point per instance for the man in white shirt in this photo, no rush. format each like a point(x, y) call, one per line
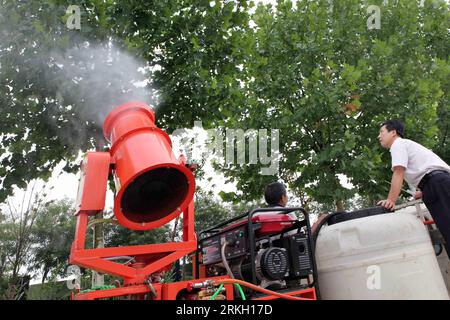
point(422, 169)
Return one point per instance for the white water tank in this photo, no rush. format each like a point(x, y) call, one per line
point(387, 256)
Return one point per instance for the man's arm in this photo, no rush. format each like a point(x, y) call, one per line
point(396, 187)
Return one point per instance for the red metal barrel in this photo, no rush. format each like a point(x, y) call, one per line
point(152, 186)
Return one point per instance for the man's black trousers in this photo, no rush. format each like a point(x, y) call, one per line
point(436, 196)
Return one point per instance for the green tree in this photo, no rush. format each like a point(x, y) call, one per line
point(16, 233)
point(326, 82)
point(209, 211)
point(52, 84)
point(52, 239)
point(118, 236)
point(312, 70)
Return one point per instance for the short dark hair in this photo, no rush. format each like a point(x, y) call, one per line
point(394, 125)
point(274, 192)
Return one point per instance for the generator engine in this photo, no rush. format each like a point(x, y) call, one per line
point(270, 249)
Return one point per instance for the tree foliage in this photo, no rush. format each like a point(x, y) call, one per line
point(48, 115)
point(119, 236)
point(16, 240)
point(313, 70)
point(209, 212)
point(52, 239)
point(326, 81)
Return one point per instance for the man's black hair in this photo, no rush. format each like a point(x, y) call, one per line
point(274, 192)
point(394, 125)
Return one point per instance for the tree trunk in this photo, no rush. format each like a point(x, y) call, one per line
point(2, 265)
point(339, 205)
point(44, 276)
point(174, 233)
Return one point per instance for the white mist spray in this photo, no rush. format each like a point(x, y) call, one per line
point(99, 78)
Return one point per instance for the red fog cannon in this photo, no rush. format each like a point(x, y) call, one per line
point(153, 187)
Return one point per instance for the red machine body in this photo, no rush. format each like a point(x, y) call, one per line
point(153, 187)
point(270, 223)
point(273, 223)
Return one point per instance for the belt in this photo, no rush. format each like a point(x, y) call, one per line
point(428, 176)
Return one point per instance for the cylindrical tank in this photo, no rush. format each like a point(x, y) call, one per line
point(387, 256)
point(152, 185)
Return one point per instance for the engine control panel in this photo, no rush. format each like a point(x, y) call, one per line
point(236, 245)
